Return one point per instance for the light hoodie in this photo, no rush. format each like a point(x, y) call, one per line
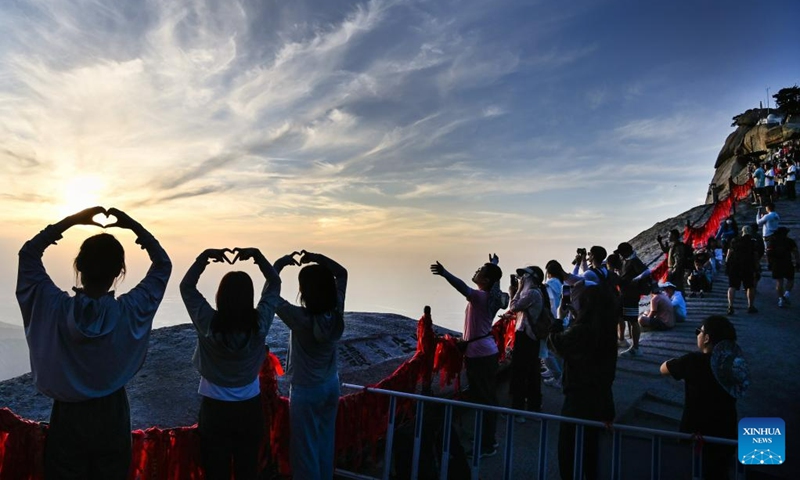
point(83, 347)
point(313, 338)
point(234, 359)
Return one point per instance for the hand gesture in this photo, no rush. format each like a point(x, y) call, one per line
point(437, 269)
point(85, 217)
point(493, 259)
point(217, 255)
point(307, 257)
point(287, 260)
point(247, 253)
point(123, 220)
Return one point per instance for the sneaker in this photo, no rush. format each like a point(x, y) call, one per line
point(553, 382)
point(631, 352)
point(781, 302)
point(730, 310)
point(622, 343)
point(752, 309)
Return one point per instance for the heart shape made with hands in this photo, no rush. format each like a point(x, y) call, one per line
point(104, 219)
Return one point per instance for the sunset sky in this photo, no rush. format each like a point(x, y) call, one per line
point(387, 134)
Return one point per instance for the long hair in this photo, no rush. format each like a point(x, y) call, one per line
point(317, 289)
point(100, 260)
point(235, 312)
point(554, 268)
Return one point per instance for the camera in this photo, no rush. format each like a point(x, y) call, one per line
point(581, 252)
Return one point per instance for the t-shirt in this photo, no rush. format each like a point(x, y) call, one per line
point(759, 177)
point(708, 409)
point(477, 323)
point(769, 178)
point(661, 307)
point(791, 173)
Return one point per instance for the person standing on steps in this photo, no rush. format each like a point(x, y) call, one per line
point(769, 223)
point(784, 250)
point(634, 279)
point(741, 264)
point(714, 378)
point(677, 258)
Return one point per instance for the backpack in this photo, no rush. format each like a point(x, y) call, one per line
point(541, 327)
point(742, 251)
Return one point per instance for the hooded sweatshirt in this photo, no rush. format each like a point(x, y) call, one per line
point(234, 359)
point(313, 339)
point(83, 347)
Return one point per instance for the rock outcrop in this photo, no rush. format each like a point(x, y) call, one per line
point(748, 143)
point(164, 392)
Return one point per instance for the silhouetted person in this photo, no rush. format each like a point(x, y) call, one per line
point(84, 348)
point(316, 327)
point(481, 355)
point(714, 377)
point(229, 353)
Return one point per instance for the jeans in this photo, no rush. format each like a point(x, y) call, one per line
point(312, 416)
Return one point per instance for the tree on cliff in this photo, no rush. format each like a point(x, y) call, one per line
point(788, 100)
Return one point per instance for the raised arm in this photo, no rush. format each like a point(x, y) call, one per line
point(147, 295)
point(457, 283)
point(200, 312)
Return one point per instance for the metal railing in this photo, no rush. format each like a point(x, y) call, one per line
point(618, 431)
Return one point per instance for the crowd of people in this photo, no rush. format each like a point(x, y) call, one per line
point(569, 329)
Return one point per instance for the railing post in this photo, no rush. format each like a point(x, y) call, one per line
point(542, 470)
point(697, 460)
point(577, 472)
point(616, 456)
point(655, 459)
point(508, 448)
point(417, 440)
point(448, 424)
point(476, 445)
point(387, 454)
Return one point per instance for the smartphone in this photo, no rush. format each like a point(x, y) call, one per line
point(513, 278)
point(565, 294)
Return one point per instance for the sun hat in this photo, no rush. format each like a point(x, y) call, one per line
point(730, 368)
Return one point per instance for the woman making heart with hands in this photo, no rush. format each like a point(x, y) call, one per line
point(230, 350)
point(316, 326)
point(84, 348)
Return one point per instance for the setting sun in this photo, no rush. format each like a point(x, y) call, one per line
point(79, 192)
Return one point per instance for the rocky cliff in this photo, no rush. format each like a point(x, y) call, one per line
point(749, 143)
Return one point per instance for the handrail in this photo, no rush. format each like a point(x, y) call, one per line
point(544, 416)
point(542, 471)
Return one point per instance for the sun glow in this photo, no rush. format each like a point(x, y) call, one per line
point(79, 192)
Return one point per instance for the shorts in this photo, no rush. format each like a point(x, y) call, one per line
point(738, 279)
point(783, 270)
